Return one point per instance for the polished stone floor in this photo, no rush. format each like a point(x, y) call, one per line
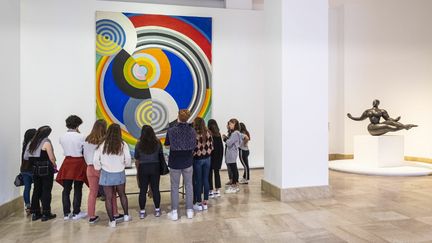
point(362, 209)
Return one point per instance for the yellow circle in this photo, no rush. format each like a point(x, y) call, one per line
point(141, 111)
point(106, 47)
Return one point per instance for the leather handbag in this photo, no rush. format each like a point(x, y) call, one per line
point(163, 165)
point(19, 180)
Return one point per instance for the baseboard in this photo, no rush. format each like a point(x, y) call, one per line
point(296, 194)
point(418, 159)
point(407, 158)
point(340, 156)
point(11, 207)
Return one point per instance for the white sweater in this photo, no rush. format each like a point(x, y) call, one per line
point(89, 150)
point(110, 162)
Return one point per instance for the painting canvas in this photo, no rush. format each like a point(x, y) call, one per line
point(148, 67)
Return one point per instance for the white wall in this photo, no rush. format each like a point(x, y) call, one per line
point(296, 138)
point(387, 54)
point(58, 69)
point(10, 145)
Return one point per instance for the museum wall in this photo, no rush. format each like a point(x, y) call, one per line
point(384, 52)
point(10, 144)
point(58, 64)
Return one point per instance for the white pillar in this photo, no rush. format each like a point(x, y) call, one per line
point(9, 103)
point(296, 142)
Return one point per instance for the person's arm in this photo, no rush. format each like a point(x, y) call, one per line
point(26, 153)
point(136, 153)
point(245, 138)
point(361, 118)
point(211, 142)
point(50, 151)
point(167, 141)
point(231, 140)
point(161, 155)
point(136, 156)
point(127, 155)
point(97, 158)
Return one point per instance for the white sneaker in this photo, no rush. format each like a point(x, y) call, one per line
point(112, 224)
point(79, 216)
point(189, 213)
point(142, 214)
point(217, 193)
point(230, 190)
point(211, 194)
point(67, 217)
point(237, 189)
point(127, 218)
point(173, 215)
point(243, 181)
point(197, 207)
point(205, 206)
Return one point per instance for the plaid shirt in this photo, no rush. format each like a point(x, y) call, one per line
point(203, 149)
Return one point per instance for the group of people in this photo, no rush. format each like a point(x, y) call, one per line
point(195, 152)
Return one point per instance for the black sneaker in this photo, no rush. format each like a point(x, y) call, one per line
point(94, 220)
point(36, 216)
point(48, 217)
point(119, 218)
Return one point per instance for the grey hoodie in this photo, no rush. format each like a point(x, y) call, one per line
point(232, 147)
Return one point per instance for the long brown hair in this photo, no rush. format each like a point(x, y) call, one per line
point(244, 130)
point(148, 142)
point(200, 128)
point(113, 141)
point(28, 136)
point(97, 133)
point(42, 133)
point(213, 128)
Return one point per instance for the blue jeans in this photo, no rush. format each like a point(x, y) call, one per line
point(201, 174)
point(28, 180)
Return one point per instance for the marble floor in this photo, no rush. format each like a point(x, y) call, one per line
point(362, 209)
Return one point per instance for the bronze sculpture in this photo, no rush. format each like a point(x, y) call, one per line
point(377, 128)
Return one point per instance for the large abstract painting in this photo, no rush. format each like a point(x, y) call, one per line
point(148, 67)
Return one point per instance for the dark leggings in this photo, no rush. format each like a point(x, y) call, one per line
point(110, 192)
point(217, 179)
point(234, 171)
point(144, 181)
point(244, 158)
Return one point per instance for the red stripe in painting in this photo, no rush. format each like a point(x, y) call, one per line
point(174, 24)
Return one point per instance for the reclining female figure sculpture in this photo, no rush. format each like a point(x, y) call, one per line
point(377, 128)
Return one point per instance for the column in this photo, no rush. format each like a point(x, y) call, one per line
point(296, 119)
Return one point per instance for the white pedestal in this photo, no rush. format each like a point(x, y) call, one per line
point(379, 151)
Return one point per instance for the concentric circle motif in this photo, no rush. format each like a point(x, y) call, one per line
point(110, 37)
point(158, 112)
point(151, 66)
